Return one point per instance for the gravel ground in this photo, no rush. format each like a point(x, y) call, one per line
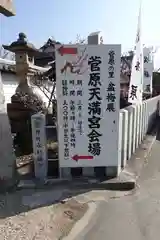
point(53, 222)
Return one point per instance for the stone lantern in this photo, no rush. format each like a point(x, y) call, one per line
point(26, 69)
point(19, 113)
point(24, 56)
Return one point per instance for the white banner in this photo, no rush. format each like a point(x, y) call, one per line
point(148, 70)
point(88, 89)
point(136, 80)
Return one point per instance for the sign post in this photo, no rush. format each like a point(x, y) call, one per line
point(39, 146)
point(88, 88)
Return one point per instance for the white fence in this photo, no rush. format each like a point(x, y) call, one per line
point(134, 123)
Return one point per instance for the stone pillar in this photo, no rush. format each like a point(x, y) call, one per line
point(134, 128)
point(124, 136)
point(130, 131)
point(39, 146)
point(138, 125)
point(7, 156)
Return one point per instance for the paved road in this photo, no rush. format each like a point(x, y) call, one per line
point(134, 217)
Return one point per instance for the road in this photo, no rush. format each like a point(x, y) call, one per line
point(132, 217)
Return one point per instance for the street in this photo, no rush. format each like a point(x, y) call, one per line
point(135, 216)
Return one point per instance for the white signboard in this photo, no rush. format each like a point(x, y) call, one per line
point(148, 70)
point(39, 146)
point(88, 89)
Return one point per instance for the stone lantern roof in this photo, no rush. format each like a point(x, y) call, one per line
point(22, 45)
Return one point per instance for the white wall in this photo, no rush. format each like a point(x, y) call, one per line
point(9, 86)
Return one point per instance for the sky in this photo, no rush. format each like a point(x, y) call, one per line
point(64, 19)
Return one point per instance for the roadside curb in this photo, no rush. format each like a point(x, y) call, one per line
point(135, 164)
point(115, 184)
point(82, 223)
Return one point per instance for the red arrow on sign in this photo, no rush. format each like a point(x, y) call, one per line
point(77, 157)
point(68, 50)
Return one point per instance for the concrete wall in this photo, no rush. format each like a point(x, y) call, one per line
point(137, 121)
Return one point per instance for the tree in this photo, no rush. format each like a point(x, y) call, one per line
point(126, 63)
point(47, 82)
point(46, 85)
point(131, 53)
point(78, 40)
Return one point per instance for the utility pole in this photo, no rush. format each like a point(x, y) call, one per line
point(7, 8)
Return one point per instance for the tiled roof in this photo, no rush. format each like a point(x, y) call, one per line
point(7, 65)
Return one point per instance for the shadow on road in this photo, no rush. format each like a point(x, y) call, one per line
point(25, 200)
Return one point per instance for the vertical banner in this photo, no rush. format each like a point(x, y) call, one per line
point(88, 89)
point(148, 70)
point(136, 80)
point(39, 146)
